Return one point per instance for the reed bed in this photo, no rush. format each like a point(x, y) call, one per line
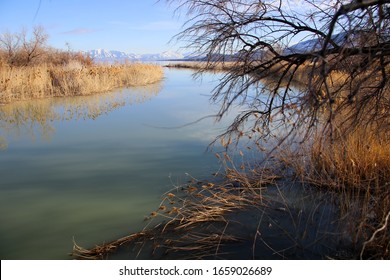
point(356, 168)
point(45, 80)
point(358, 161)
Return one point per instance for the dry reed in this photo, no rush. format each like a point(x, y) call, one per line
point(41, 81)
point(356, 167)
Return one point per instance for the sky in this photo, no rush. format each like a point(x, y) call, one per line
point(131, 26)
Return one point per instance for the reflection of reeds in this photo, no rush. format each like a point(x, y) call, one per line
point(32, 114)
point(30, 82)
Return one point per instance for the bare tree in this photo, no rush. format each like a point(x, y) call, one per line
point(33, 47)
point(22, 49)
point(341, 59)
point(10, 44)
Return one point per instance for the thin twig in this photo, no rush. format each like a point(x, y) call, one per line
point(384, 226)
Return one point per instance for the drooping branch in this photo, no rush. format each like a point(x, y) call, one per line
point(341, 61)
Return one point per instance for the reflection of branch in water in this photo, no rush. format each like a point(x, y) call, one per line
point(37, 116)
point(184, 125)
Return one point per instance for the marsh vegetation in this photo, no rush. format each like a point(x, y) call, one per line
point(29, 69)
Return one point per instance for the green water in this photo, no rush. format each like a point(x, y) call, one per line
point(91, 168)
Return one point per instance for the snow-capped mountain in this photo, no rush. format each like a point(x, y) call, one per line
point(102, 55)
point(348, 39)
point(168, 55)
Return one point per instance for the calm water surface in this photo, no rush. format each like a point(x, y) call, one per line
point(91, 168)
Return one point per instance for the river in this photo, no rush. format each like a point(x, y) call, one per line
point(91, 168)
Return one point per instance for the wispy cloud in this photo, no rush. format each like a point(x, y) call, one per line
point(79, 31)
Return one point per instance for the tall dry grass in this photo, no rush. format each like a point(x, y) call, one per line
point(46, 80)
point(357, 161)
point(356, 168)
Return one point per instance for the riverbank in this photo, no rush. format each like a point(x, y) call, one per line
point(72, 79)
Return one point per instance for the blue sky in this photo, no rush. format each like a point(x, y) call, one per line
point(134, 26)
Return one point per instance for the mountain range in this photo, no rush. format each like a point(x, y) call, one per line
point(102, 55)
point(110, 56)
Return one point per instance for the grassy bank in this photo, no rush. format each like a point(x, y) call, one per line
point(46, 80)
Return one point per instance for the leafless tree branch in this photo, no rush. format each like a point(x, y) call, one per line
point(343, 71)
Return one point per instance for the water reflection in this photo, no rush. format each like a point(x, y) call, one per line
point(36, 117)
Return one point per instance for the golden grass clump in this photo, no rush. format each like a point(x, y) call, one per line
point(356, 161)
point(44, 80)
point(356, 167)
